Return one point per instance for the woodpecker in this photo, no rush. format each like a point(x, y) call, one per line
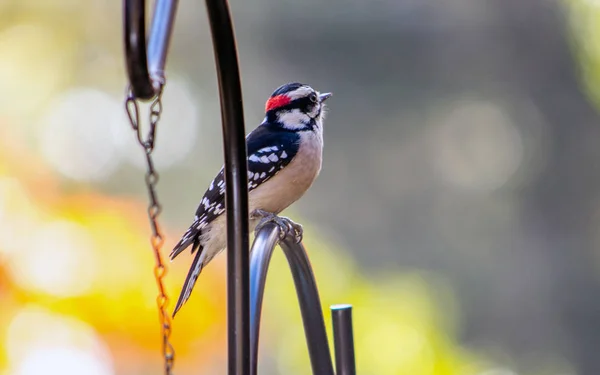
point(284, 158)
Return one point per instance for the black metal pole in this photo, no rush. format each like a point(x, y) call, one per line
point(234, 143)
point(343, 339)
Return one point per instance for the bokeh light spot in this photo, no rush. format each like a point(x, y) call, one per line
point(477, 146)
point(75, 136)
point(39, 341)
point(65, 361)
point(59, 260)
point(178, 128)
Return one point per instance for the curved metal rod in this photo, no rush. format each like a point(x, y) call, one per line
point(236, 194)
point(262, 250)
point(146, 69)
point(306, 289)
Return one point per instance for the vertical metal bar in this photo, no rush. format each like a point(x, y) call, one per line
point(260, 257)
point(234, 142)
point(310, 306)
point(343, 339)
point(160, 36)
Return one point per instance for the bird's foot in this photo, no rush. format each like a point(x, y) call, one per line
point(286, 225)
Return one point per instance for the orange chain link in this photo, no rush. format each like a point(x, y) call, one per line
point(154, 209)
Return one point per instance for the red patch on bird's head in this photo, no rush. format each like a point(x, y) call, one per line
point(276, 102)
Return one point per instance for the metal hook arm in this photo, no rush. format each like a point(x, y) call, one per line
point(146, 68)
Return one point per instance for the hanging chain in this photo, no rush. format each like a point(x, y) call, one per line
point(154, 209)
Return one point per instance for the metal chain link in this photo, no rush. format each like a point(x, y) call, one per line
point(154, 209)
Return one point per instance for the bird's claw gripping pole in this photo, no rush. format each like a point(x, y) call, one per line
point(145, 68)
point(286, 225)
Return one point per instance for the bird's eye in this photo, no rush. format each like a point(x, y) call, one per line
point(313, 97)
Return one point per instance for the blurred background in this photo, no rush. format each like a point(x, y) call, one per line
point(458, 208)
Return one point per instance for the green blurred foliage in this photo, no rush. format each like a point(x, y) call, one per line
point(584, 20)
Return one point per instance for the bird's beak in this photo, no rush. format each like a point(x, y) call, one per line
point(324, 96)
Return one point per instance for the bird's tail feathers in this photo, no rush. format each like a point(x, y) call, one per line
point(191, 235)
point(191, 277)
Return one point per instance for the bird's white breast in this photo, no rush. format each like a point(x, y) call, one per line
point(291, 182)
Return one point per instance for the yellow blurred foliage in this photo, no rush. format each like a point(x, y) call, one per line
point(119, 301)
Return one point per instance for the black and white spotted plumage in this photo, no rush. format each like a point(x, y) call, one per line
point(271, 147)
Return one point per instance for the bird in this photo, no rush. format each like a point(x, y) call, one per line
point(284, 156)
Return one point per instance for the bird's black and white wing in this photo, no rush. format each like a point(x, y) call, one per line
point(269, 150)
point(211, 206)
